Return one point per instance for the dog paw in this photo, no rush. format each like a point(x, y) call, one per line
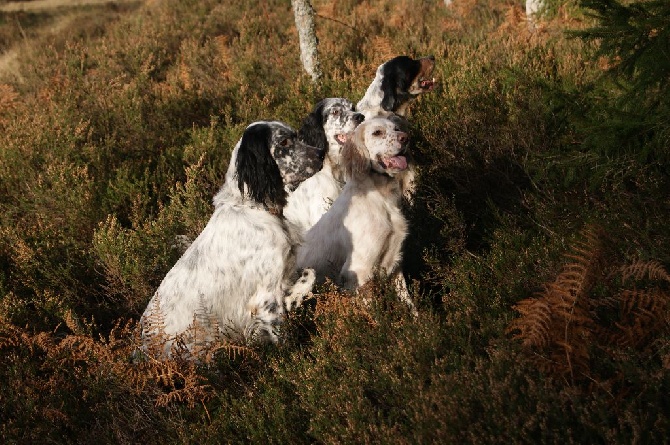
point(302, 287)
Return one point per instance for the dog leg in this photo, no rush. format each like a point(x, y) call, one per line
point(403, 293)
point(302, 287)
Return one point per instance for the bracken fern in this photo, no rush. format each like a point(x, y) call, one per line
point(560, 326)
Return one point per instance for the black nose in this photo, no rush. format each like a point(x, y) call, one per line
point(358, 118)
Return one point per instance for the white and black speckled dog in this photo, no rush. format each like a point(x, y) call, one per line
point(397, 83)
point(363, 231)
point(239, 274)
point(325, 127)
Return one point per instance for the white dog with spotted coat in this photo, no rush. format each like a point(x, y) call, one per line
point(239, 276)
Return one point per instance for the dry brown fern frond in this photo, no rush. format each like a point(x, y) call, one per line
point(233, 352)
point(587, 263)
point(595, 303)
point(533, 323)
point(643, 315)
point(642, 301)
point(644, 270)
point(154, 338)
point(189, 395)
point(177, 378)
point(558, 322)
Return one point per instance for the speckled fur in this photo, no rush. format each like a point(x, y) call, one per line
point(240, 271)
point(331, 117)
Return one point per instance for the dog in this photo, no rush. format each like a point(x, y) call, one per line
point(238, 277)
point(325, 127)
point(397, 83)
point(362, 233)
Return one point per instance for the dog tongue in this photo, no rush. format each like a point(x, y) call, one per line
point(397, 162)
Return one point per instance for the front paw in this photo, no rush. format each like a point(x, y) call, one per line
point(302, 287)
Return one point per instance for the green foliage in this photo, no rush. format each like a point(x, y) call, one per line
point(116, 132)
point(634, 42)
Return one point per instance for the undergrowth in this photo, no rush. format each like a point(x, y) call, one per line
point(116, 133)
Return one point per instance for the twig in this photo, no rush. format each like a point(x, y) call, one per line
point(337, 21)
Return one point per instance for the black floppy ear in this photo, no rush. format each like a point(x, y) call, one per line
point(398, 75)
point(390, 84)
point(311, 132)
point(257, 169)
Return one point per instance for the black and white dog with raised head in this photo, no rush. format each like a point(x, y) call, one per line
point(397, 83)
point(239, 276)
point(325, 127)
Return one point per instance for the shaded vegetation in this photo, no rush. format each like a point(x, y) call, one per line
point(115, 135)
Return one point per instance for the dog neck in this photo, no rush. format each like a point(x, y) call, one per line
point(383, 183)
point(273, 209)
point(335, 170)
point(371, 103)
point(277, 211)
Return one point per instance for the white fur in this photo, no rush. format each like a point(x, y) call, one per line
point(371, 103)
point(363, 231)
point(238, 276)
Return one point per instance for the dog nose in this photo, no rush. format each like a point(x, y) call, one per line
point(402, 137)
point(358, 118)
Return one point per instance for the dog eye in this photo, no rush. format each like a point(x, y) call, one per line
point(335, 112)
point(377, 133)
point(285, 142)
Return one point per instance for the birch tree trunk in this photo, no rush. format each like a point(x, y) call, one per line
point(532, 8)
point(304, 21)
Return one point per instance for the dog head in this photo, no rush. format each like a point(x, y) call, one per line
point(270, 159)
point(328, 124)
point(377, 145)
point(403, 79)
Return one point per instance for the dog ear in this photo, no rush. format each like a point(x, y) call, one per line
point(311, 132)
point(390, 85)
point(355, 160)
point(257, 169)
point(398, 75)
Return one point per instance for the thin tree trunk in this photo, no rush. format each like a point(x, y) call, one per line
point(304, 21)
point(533, 7)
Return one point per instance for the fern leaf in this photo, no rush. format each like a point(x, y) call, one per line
point(640, 270)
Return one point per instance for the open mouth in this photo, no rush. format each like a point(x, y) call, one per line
point(394, 163)
point(427, 84)
point(341, 138)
